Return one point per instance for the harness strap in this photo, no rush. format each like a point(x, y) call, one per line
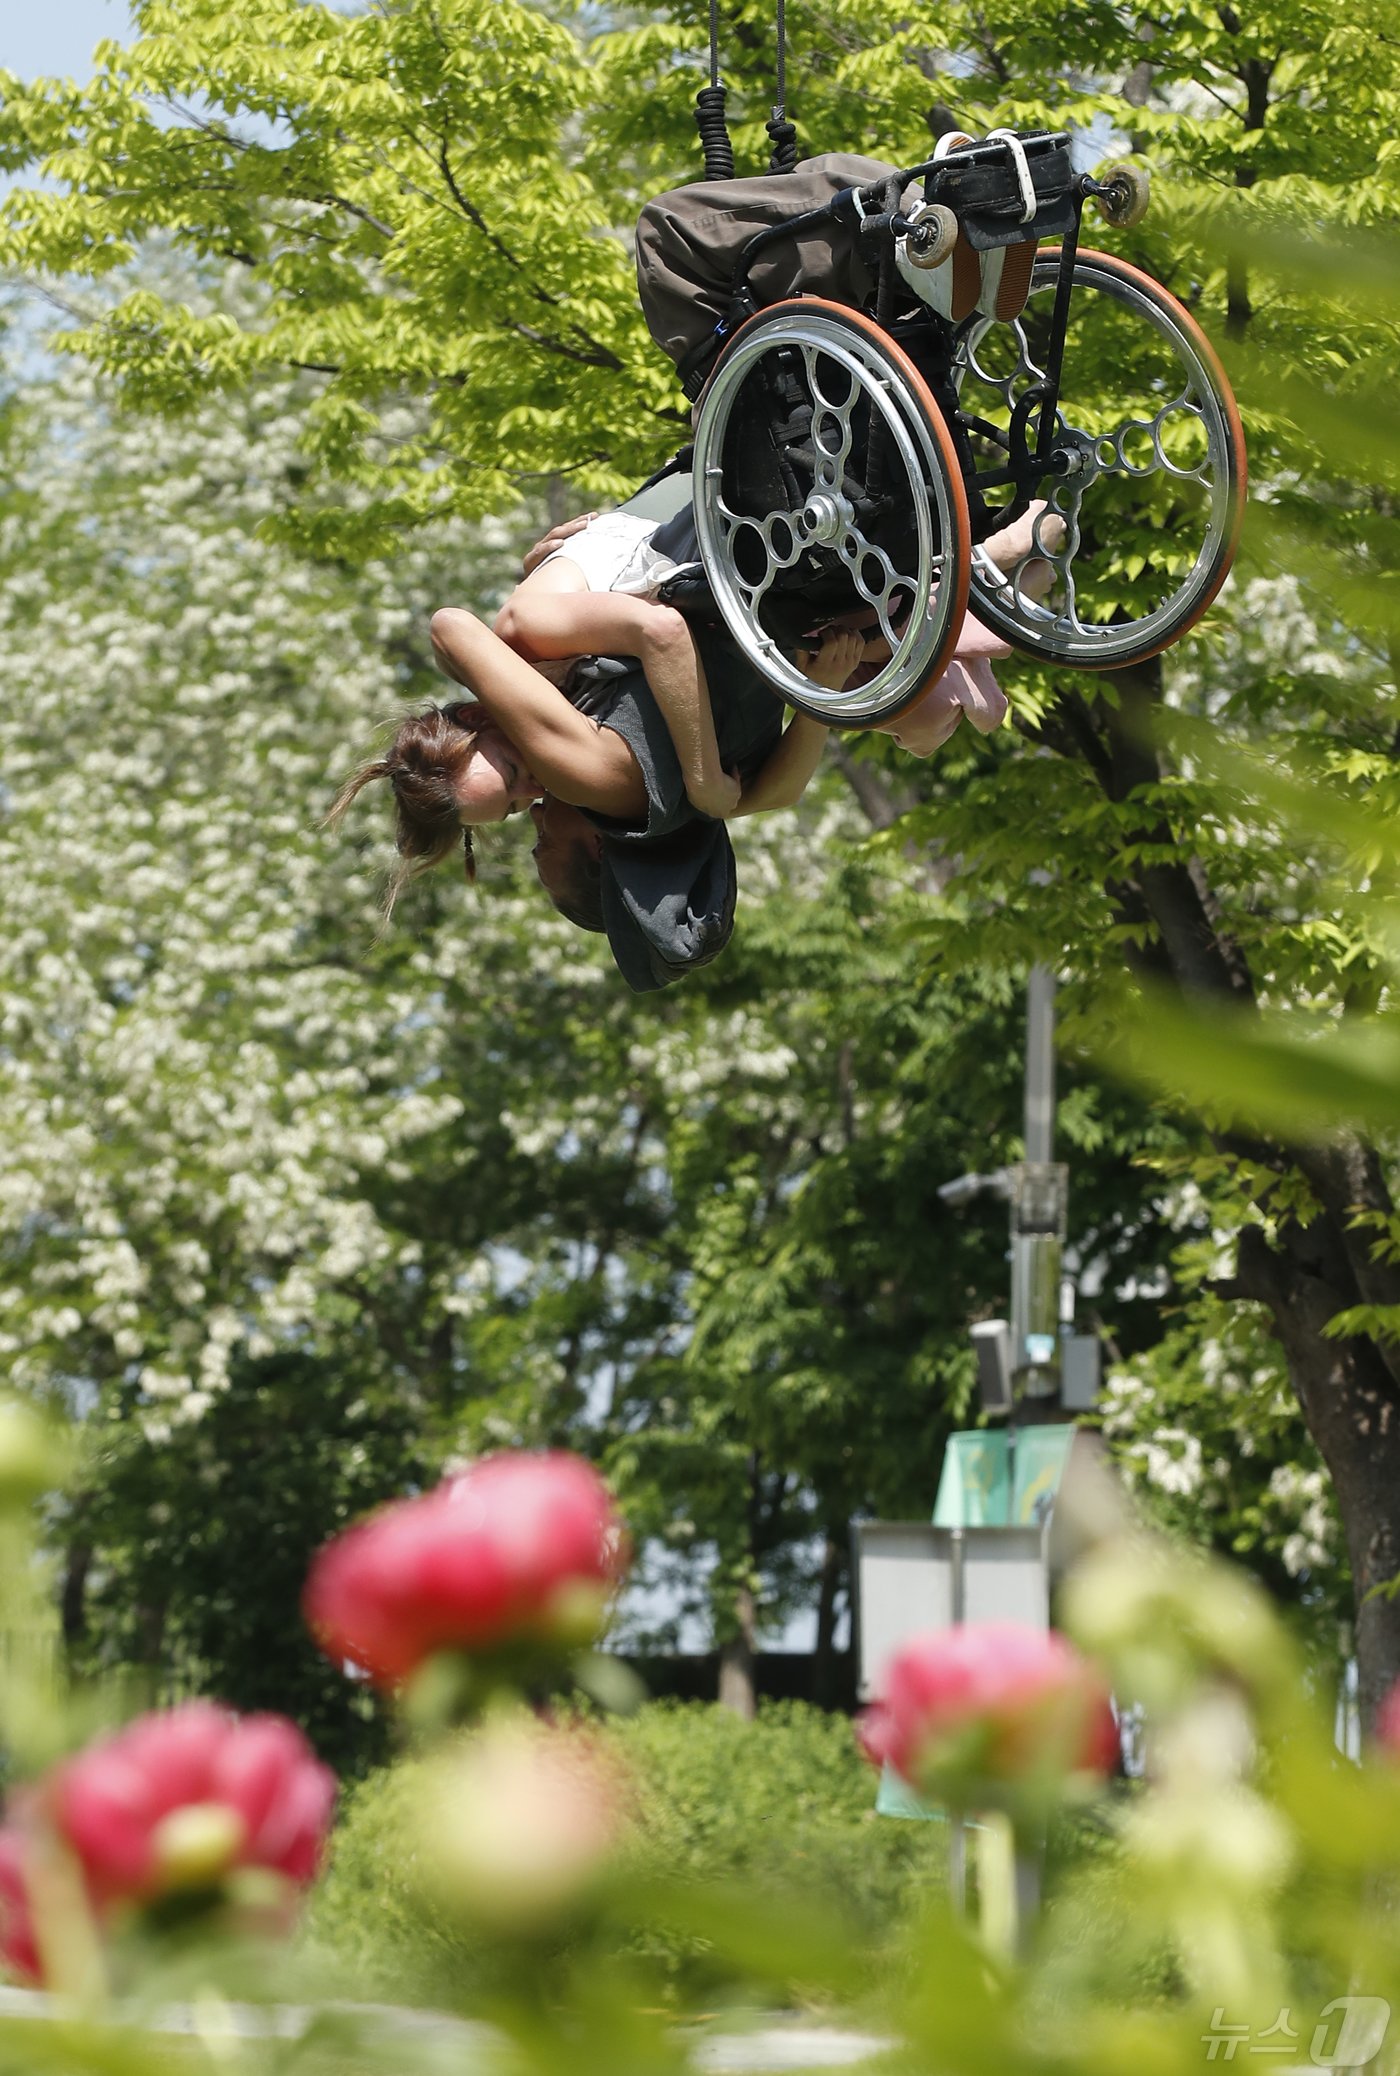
point(1023, 172)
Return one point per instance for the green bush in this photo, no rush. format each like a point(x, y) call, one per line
point(785, 1804)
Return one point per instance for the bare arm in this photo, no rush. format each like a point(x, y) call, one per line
point(788, 772)
point(544, 618)
point(580, 763)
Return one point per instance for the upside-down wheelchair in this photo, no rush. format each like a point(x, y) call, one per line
point(848, 462)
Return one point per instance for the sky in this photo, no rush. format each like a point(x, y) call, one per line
point(57, 36)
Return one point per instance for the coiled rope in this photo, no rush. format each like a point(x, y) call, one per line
point(709, 113)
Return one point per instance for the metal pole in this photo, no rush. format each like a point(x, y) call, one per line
point(1040, 1064)
point(957, 1825)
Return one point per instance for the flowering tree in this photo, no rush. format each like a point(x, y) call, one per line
point(345, 167)
point(237, 1139)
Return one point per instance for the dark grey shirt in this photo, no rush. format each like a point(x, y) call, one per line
point(748, 725)
point(669, 884)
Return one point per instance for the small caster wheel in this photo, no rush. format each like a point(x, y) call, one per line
point(934, 234)
point(1130, 187)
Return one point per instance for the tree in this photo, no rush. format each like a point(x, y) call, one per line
point(242, 1146)
point(829, 1288)
point(202, 1546)
point(346, 224)
point(393, 184)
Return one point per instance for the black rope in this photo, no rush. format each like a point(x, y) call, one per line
point(709, 113)
point(714, 133)
point(784, 137)
point(780, 130)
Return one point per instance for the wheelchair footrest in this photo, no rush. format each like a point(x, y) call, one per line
point(982, 188)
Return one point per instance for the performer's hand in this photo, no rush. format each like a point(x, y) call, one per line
point(841, 653)
point(555, 538)
point(718, 800)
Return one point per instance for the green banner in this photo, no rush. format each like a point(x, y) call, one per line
point(988, 1483)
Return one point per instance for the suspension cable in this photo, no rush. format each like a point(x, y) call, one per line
point(782, 132)
point(709, 113)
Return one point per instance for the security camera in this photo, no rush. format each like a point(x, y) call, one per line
point(966, 1187)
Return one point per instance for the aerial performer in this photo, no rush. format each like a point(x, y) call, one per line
point(614, 763)
point(899, 381)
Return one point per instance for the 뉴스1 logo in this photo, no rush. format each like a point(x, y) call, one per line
point(1346, 2034)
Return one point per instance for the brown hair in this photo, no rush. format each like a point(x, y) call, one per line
point(423, 763)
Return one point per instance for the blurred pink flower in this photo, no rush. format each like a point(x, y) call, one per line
point(517, 1548)
point(971, 1713)
point(1388, 1722)
point(19, 1952)
point(182, 1798)
point(519, 1822)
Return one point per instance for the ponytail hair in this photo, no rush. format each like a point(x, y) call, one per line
point(423, 763)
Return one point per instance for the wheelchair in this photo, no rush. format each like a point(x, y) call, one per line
point(849, 463)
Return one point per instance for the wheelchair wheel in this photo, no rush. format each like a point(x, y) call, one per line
point(1150, 475)
point(827, 489)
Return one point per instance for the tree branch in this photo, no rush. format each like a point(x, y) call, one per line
point(879, 799)
point(592, 357)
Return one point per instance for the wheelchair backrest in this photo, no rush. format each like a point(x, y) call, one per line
point(689, 243)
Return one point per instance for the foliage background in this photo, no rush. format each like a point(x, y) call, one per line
point(260, 1173)
point(779, 1808)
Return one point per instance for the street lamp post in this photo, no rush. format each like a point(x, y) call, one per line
point(1025, 1363)
point(993, 1548)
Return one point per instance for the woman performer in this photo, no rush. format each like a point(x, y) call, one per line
point(453, 767)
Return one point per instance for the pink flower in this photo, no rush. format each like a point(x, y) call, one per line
point(976, 1714)
point(519, 1548)
point(19, 1951)
point(1388, 1722)
point(183, 1798)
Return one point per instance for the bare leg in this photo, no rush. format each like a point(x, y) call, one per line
point(1012, 544)
point(556, 578)
point(553, 614)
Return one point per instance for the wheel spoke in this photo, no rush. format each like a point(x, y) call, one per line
point(781, 546)
point(830, 454)
point(1148, 437)
point(858, 554)
point(1066, 506)
point(1011, 383)
point(1038, 607)
point(1187, 407)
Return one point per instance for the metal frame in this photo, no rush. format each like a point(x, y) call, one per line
point(1039, 453)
